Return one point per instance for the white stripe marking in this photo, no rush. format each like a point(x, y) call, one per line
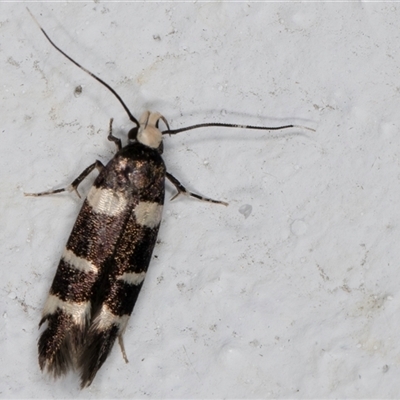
point(106, 319)
point(106, 201)
point(148, 214)
point(132, 278)
point(78, 263)
point(80, 312)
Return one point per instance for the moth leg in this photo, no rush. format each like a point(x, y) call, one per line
point(112, 138)
point(182, 190)
point(121, 345)
point(74, 185)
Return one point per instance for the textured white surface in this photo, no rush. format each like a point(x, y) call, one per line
point(299, 300)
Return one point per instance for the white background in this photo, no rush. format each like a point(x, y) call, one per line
point(299, 300)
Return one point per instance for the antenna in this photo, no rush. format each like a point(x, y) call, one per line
point(168, 131)
point(131, 117)
point(223, 125)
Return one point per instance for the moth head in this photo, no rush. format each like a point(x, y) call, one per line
point(148, 132)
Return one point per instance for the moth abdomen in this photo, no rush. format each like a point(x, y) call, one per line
point(103, 266)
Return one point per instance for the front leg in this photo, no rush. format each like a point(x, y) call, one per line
point(181, 189)
point(112, 138)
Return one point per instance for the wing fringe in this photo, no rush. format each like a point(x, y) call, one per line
point(98, 346)
point(59, 345)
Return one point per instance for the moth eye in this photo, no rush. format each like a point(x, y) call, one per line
point(132, 134)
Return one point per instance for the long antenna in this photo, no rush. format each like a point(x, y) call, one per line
point(131, 117)
point(219, 124)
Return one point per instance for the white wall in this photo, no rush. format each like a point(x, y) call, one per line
point(299, 300)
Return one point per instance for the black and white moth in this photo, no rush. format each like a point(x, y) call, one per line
point(105, 260)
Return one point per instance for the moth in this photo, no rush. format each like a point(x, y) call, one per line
point(105, 260)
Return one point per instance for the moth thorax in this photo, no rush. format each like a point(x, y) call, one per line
point(149, 134)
